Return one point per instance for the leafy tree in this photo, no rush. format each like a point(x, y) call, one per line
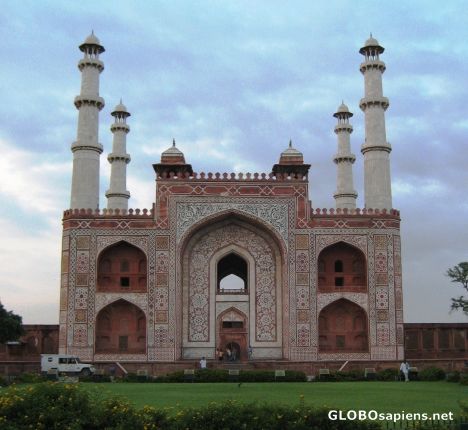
point(11, 327)
point(459, 274)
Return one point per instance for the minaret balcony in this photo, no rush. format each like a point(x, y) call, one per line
point(372, 64)
point(340, 158)
point(118, 157)
point(366, 147)
point(339, 128)
point(366, 102)
point(90, 62)
point(87, 99)
point(120, 126)
point(86, 146)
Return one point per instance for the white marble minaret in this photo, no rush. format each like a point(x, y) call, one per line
point(345, 195)
point(86, 150)
point(376, 149)
point(117, 194)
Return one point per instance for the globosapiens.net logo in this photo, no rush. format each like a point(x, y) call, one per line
point(373, 415)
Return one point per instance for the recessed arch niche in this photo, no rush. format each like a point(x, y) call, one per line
point(343, 327)
point(342, 267)
point(121, 328)
point(122, 267)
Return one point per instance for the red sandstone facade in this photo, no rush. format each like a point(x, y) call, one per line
point(316, 284)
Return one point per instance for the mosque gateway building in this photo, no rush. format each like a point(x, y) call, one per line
point(232, 260)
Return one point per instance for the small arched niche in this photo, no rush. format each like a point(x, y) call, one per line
point(121, 329)
point(343, 328)
point(122, 268)
point(342, 267)
point(232, 275)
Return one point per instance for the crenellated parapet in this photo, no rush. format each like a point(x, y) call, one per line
point(232, 177)
point(356, 212)
point(111, 213)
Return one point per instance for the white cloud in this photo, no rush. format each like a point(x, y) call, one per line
point(423, 187)
point(30, 271)
point(33, 183)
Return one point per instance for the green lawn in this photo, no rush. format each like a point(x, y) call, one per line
point(380, 396)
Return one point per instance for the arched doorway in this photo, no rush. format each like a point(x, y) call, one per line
point(121, 328)
point(343, 328)
point(232, 335)
point(342, 267)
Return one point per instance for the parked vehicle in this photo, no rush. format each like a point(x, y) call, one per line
point(68, 364)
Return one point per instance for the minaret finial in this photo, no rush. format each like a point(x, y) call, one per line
point(290, 143)
point(120, 100)
point(173, 142)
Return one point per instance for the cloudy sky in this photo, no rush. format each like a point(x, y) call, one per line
point(232, 82)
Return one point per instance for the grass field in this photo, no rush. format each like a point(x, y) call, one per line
point(380, 396)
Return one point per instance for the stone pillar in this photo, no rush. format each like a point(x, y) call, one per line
point(117, 194)
point(345, 195)
point(376, 149)
point(86, 149)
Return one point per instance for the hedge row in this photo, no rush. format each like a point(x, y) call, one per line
point(67, 406)
point(222, 375)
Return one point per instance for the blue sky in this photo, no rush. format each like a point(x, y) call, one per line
point(232, 82)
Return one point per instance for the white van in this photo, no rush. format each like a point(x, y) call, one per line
point(68, 364)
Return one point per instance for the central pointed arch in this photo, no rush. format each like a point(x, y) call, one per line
point(205, 248)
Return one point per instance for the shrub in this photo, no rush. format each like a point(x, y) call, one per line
point(431, 374)
point(3, 382)
point(232, 415)
point(30, 378)
point(464, 378)
point(453, 376)
point(64, 406)
point(222, 375)
point(390, 374)
point(352, 375)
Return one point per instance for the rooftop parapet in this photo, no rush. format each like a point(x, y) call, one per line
point(355, 212)
point(234, 177)
point(108, 213)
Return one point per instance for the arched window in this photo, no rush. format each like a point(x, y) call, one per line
point(338, 266)
point(232, 274)
point(105, 266)
point(124, 266)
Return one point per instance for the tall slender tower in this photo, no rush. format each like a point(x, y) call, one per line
point(376, 149)
point(87, 150)
point(345, 196)
point(117, 194)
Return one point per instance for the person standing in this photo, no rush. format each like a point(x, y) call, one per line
point(404, 368)
point(228, 354)
point(203, 363)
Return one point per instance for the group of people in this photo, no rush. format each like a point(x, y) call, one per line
point(229, 354)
